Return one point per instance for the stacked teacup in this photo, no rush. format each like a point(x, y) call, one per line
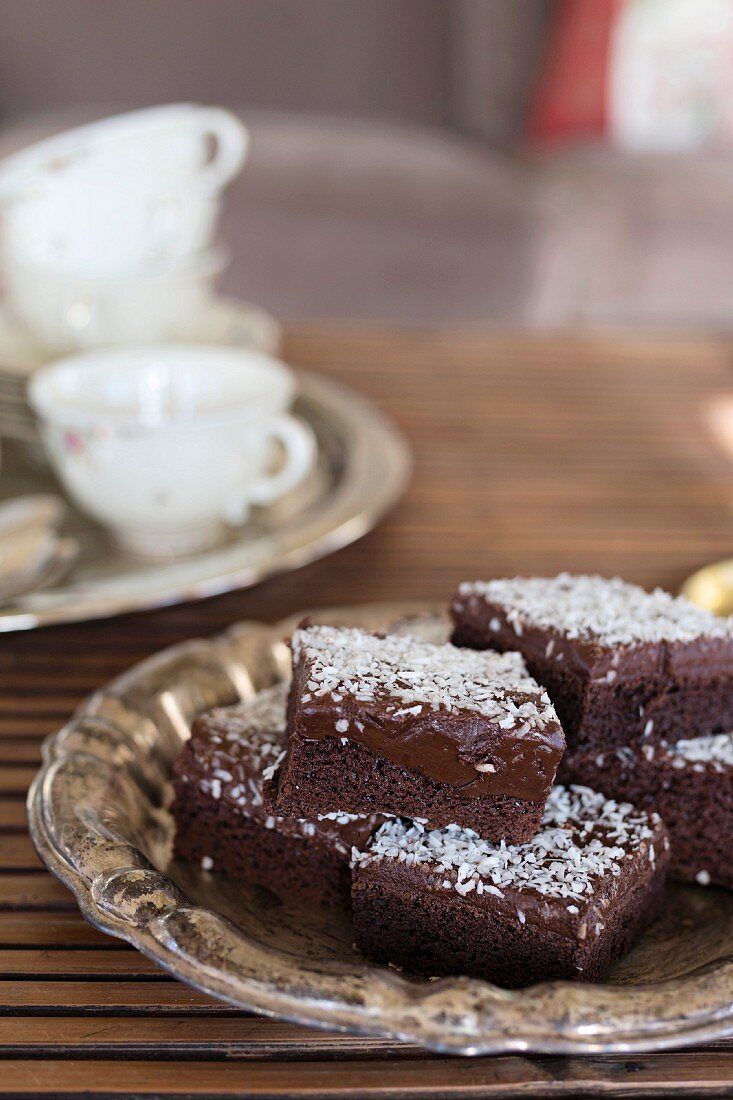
point(107, 231)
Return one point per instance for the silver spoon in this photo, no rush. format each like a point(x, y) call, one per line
point(31, 552)
point(35, 510)
point(60, 562)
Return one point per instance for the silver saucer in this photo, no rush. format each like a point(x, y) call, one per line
point(363, 468)
point(98, 819)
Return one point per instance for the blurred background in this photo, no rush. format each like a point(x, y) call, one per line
point(530, 163)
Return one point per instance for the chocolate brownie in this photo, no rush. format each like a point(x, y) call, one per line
point(394, 725)
point(689, 784)
point(621, 665)
point(564, 905)
point(221, 819)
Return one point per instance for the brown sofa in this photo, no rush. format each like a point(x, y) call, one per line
point(382, 181)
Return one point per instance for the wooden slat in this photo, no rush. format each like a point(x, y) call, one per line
point(29, 891)
point(16, 964)
point(323, 1079)
point(241, 1037)
point(12, 814)
point(36, 727)
point(110, 997)
point(20, 750)
point(15, 780)
point(29, 928)
point(668, 1075)
point(15, 703)
point(17, 853)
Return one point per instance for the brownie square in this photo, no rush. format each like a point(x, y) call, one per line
point(391, 724)
point(565, 904)
point(689, 784)
point(221, 819)
point(621, 665)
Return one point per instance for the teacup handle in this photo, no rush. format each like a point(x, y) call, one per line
point(299, 444)
point(231, 139)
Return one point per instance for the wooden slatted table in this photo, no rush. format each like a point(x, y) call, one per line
point(533, 454)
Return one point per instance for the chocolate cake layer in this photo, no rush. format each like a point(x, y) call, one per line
point(396, 725)
point(621, 665)
point(564, 905)
point(689, 784)
point(226, 841)
point(221, 817)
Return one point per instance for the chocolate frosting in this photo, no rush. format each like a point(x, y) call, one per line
point(444, 746)
point(489, 623)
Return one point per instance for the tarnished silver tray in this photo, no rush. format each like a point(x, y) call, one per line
point(98, 818)
point(363, 468)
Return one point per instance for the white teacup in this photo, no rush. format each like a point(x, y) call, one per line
point(167, 444)
point(64, 312)
point(122, 193)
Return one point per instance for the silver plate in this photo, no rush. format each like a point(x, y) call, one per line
point(98, 819)
point(363, 468)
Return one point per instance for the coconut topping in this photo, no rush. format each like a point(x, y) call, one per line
point(609, 612)
point(255, 718)
point(257, 723)
point(716, 749)
point(401, 672)
point(583, 838)
point(340, 818)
